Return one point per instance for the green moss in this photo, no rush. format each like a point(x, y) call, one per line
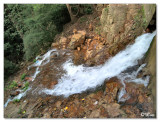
point(34, 60)
point(83, 19)
point(13, 85)
point(106, 9)
point(140, 18)
point(26, 86)
point(16, 100)
point(20, 110)
point(144, 24)
point(23, 76)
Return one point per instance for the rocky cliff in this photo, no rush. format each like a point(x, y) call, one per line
point(119, 24)
point(151, 69)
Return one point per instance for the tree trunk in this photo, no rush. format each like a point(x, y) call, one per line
point(73, 18)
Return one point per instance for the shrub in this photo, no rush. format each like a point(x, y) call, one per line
point(9, 68)
point(87, 8)
point(23, 76)
point(26, 86)
point(46, 22)
point(16, 100)
point(13, 84)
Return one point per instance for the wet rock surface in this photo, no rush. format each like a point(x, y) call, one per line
point(100, 103)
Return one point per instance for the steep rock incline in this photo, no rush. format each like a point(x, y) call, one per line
point(151, 69)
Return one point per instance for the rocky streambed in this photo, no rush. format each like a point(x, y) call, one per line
point(104, 94)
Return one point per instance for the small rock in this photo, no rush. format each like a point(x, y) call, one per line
point(53, 83)
point(75, 31)
point(132, 100)
point(54, 45)
point(28, 78)
point(141, 99)
point(113, 110)
point(63, 40)
point(112, 87)
point(46, 115)
point(95, 114)
point(58, 104)
point(53, 56)
point(90, 27)
point(19, 85)
point(14, 93)
point(78, 48)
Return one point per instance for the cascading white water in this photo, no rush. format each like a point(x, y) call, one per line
point(131, 77)
point(19, 96)
point(40, 61)
point(79, 78)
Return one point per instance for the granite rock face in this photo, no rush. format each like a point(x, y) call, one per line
point(122, 23)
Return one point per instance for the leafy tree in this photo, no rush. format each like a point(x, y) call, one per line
point(13, 45)
point(29, 29)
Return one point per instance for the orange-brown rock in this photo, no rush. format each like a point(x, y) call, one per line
point(95, 114)
point(72, 110)
point(58, 104)
point(79, 57)
point(75, 31)
point(14, 93)
point(114, 110)
point(111, 89)
point(77, 39)
point(90, 27)
point(78, 48)
point(54, 45)
point(63, 42)
point(53, 83)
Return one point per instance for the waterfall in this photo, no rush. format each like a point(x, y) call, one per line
point(79, 78)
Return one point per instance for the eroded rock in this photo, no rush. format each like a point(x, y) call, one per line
point(77, 39)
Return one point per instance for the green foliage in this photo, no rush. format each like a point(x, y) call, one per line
point(9, 68)
point(13, 85)
point(26, 86)
point(34, 60)
point(106, 9)
point(16, 100)
point(23, 76)
point(87, 8)
point(83, 19)
point(13, 45)
point(47, 21)
point(20, 110)
point(29, 29)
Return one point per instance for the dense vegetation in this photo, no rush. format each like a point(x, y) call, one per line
point(29, 29)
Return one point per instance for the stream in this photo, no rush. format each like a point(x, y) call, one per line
point(78, 79)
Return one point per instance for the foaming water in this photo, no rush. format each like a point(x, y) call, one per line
point(79, 78)
point(40, 61)
point(131, 77)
